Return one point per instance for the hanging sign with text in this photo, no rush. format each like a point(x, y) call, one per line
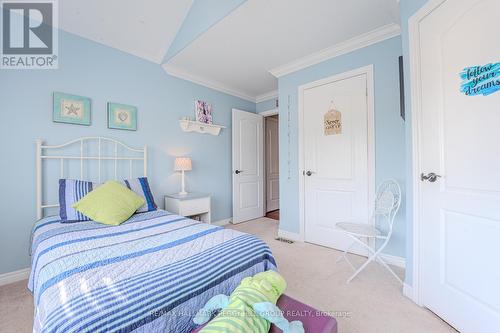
point(480, 80)
point(333, 122)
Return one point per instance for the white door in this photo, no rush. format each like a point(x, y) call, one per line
point(336, 166)
point(460, 141)
point(272, 164)
point(248, 166)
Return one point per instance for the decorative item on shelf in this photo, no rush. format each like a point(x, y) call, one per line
point(203, 112)
point(71, 109)
point(121, 116)
point(195, 126)
point(333, 121)
point(183, 164)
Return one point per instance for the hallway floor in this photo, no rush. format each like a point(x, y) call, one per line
point(274, 214)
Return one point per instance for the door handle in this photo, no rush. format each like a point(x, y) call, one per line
point(238, 171)
point(430, 177)
point(309, 173)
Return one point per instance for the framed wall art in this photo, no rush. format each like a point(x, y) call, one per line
point(122, 116)
point(71, 109)
point(203, 112)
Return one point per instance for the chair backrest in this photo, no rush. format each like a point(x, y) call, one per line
point(387, 201)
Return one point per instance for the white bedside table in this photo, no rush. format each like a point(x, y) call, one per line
point(189, 205)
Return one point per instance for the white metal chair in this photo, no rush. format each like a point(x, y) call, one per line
point(387, 202)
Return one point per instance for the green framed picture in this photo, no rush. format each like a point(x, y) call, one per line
point(71, 109)
point(122, 116)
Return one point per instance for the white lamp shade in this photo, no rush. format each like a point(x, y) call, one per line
point(183, 164)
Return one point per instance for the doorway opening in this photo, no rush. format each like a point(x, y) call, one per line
point(271, 164)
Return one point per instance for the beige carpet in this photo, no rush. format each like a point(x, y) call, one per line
point(371, 303)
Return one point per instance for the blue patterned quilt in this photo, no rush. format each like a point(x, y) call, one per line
point(149, 274)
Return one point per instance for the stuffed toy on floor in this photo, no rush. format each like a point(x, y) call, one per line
point(250, 308)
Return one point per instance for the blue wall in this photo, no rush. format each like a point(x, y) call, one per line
point(266, 105)
point(389, 128)
point(105, 74)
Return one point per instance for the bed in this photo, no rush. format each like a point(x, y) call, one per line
point(149, 274)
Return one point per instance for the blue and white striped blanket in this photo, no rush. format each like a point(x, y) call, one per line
point(149, 274)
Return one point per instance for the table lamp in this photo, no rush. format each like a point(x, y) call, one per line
point(183, 164)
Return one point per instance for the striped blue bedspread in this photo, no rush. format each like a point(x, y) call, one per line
point(149, 274)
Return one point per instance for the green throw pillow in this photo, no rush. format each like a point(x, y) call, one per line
point(111, 203)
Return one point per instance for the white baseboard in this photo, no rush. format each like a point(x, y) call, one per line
point(411, 293)
point(223, 222)
point(15, 276)
point(394, 260)
point(388, 258)
point(408, 291)
point(290, 235)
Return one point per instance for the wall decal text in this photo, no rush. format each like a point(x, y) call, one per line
point(481, 80)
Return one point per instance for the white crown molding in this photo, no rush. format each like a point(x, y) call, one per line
point(359, 42)
point(15, 276)
point(266, 96)
point(174, 71)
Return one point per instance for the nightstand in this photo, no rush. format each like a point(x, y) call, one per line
point(190, 204)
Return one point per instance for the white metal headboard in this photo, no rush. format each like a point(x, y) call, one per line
point(40, 156)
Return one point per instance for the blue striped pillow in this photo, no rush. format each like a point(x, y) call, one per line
point(71, 191)
point(141, 187)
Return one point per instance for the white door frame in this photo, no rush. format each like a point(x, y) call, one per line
point(368, 70)
point(414, 292)
point(268, 113)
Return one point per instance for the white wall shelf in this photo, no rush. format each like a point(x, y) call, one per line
point(195, 126)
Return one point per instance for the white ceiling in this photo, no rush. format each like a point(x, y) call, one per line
point(237, 53)
point(144, 28)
